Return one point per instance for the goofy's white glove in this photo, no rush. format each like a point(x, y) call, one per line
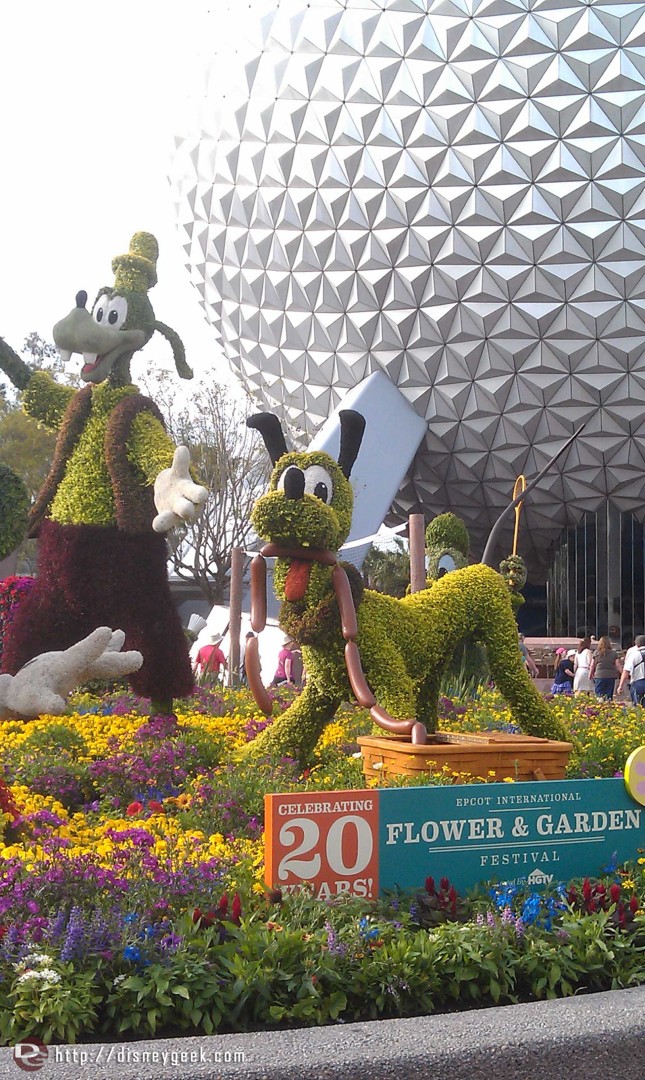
point(177, 498)
point(41, 687)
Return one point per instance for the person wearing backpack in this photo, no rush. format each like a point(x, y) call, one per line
point(634, 670)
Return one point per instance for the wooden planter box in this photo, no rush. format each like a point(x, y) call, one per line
point(521, 757)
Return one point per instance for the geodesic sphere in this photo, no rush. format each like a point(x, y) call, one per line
point(452, 192)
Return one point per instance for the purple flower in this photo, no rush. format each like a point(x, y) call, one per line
point(75, 941)
point(171, 942)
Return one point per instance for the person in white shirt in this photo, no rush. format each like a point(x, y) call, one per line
point(634, 670)
point(582, 684)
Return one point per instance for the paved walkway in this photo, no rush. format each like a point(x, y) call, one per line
point(594, 1037)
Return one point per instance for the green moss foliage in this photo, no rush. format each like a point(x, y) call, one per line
point(447, 549)
point(448, 531)
point(14, 508)
point(46, 401)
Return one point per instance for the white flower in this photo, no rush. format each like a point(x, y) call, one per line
point(45, 975)
point(358, 755)
point(37, 958)
point(119, 979)
point(377, 765)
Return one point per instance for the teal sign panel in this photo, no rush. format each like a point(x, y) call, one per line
point(531, 834)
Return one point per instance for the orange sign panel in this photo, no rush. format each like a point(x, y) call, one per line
point(327, 841)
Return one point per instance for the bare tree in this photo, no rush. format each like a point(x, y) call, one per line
point(229, 462)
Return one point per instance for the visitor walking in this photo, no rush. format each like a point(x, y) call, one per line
point(243, 676)
point(582, 684)
point(529, 662)
point(210, 659)
point(604, 669)
point(563, 677)
point(634, 671)
point(284, 670)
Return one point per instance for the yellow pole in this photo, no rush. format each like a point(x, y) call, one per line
point(520, 485)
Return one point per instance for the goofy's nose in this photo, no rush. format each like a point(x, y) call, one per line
point(294, 483)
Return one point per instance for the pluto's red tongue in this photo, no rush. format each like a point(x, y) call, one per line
point(297, 579)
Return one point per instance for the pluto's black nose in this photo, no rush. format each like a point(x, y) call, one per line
point(294, 483)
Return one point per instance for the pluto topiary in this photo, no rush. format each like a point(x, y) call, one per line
point(404, 645)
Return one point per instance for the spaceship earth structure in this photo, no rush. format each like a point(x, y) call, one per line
point(451, 191)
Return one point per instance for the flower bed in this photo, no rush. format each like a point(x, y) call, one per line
point(132, 897)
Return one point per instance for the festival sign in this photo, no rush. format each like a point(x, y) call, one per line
point(529, 834)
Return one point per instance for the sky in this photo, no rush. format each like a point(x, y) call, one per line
point(91, 97)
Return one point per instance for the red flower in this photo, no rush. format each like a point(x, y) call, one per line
point(134, 808)
point(236, 909)
point(430, 888)
point(614, 893)
point(444, 884)
point(155, 807)
point(203, 919)
point(222, 907)
point(7, 802)
point(633, 904)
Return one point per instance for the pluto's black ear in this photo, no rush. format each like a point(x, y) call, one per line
point(352, 426)
point(269, 427)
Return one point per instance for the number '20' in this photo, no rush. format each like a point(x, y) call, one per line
point(307, 869)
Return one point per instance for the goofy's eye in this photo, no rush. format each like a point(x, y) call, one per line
point(446, 565)
point(99, 311)
point(318, 482)
point(117, 312)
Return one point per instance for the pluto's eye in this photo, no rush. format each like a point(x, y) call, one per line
point(318, 482)
point(445, 565)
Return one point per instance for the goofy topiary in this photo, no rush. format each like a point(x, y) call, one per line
point(116, 485)
point(388, 654)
